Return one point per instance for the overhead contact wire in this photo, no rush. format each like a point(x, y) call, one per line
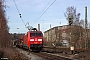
point(44, 12)
point(19, 12)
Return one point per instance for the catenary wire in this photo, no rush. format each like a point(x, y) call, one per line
point(44, 12)
point(38, 17)
point(19, 12)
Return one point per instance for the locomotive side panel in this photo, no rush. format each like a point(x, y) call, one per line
point(28, 37)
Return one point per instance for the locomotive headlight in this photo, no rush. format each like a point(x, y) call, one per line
point(39, 39)
point(31, 39)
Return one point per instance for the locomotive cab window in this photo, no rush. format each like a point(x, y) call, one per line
point(36, 34)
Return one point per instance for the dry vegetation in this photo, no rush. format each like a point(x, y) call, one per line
point(9, 52)
point(13, 54)
point(4, 30)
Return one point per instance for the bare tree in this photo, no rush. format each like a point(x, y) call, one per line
point(76, 16)
point(77, 23)
point(4, 30)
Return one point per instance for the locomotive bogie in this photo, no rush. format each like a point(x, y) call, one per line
point(36, 46)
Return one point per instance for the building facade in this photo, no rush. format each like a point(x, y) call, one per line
point(60, 36)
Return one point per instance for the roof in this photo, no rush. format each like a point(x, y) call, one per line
point(55, 27)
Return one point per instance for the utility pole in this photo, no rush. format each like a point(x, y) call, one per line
point(51, 36)
point(38, 27)
point(71, 44)
point(70, 24)
point(80, 46)
point(86, 34)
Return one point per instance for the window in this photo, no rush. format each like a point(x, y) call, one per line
point(35, 34)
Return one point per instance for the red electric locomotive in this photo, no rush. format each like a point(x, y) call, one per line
point(32, 40)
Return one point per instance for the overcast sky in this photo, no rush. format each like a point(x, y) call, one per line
point(31, 10)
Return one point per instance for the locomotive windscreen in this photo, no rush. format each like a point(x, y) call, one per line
point(35, 34)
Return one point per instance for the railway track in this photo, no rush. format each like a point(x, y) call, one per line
point(79, 54)
point(63, 54)
point(52, 56)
